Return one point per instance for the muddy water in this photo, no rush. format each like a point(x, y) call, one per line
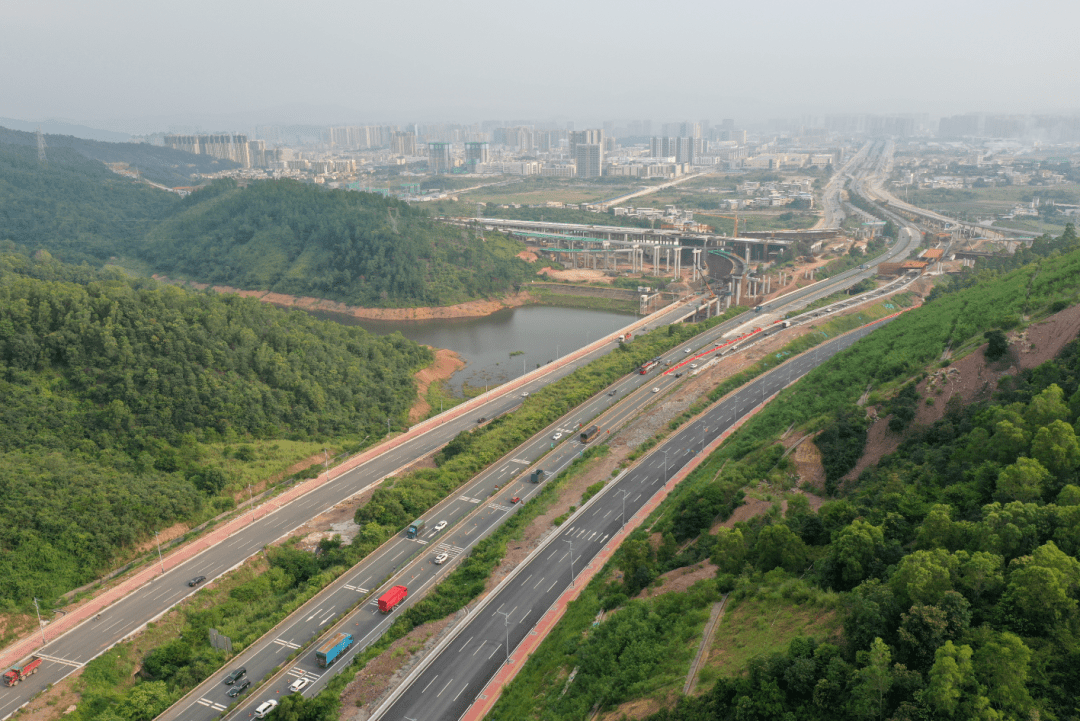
point(541, 333)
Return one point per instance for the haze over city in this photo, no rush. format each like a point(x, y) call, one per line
point(143, 68)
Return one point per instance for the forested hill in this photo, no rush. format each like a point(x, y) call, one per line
point(73, 206)
point(118, 395)
point(358, 248)
point(162, 165)
point(284, 236)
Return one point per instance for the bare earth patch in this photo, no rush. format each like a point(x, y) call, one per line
point(575, 274)
point(446, 364)
point(972, 379)
point(680, 579)
point(470, 309)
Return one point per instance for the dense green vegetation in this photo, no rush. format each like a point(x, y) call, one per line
point(284, 236)
point(357, 248)
point(954, 560)
point(74, 207)
point(115, 390)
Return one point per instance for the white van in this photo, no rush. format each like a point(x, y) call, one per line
point(265, 708)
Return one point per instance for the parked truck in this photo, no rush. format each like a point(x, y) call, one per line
point(588, 434)
point(20, 673)
point(332, 649)
point(414, 529)
point(392, 598)
point(537, 475)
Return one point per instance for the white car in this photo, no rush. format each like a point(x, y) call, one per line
point(299, 685)
point(687, 351)
point(441, 558)
point(525, 394)
point(556, 437)
point(693, 366)
point(655, 389)
point(439, 526)
point(265, 707)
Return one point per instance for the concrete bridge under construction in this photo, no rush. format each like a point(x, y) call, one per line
point(751, 248)
point(722, 262)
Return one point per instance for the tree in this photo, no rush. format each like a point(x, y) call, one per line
point(923, 577)
point(1042, 588)
point(952, 688)
point(873, 680)
point(145, 701)
point(729, 553)
point(855, 554)
point(1009, 441)
point(1056, 448)
point(997, 344)
point(1001, 666)
point(1047, 407)
point(924, 628)
point(777, 545)
point(1023, 481)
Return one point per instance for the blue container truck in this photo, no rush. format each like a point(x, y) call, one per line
point(329, 651)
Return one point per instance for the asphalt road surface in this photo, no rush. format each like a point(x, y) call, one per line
point(75, 648)
point(448, 684)
point(85, 642)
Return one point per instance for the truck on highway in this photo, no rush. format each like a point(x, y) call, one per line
point(392, 598)
point(20, 673)
point(648, 366)
point(332, 649)
point(414, 529)
point(588, 434)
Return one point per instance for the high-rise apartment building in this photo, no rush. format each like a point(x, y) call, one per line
point(403, 144)
point(589, 159)
point(439, 158)
point(226, 147)
point(684, 150)
point(476, 153)
point(587, 137)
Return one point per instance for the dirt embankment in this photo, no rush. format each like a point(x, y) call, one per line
point(470, 309)
point(446, 364)
point(970, 379)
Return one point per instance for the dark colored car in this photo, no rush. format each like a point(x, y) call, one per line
point(196, 581)
point(236, 675)
point(239, 688)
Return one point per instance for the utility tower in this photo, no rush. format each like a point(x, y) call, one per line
point(41, 148)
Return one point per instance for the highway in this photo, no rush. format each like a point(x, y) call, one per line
point(472, 513)
point(475, 511)
point(76, 647)
point(446, 683)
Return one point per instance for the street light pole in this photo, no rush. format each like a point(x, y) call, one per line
point(623, 492)
point(665, 464)
point(703, 429)
point(387, 426)
point(160, 561)
point(506, 624)
point(251, 502)
point(40, 627)
point(567, 540)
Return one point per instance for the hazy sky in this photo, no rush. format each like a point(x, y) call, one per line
point(144, 66)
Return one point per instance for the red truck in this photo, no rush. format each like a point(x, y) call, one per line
point(392, 598)
point(19, 673)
